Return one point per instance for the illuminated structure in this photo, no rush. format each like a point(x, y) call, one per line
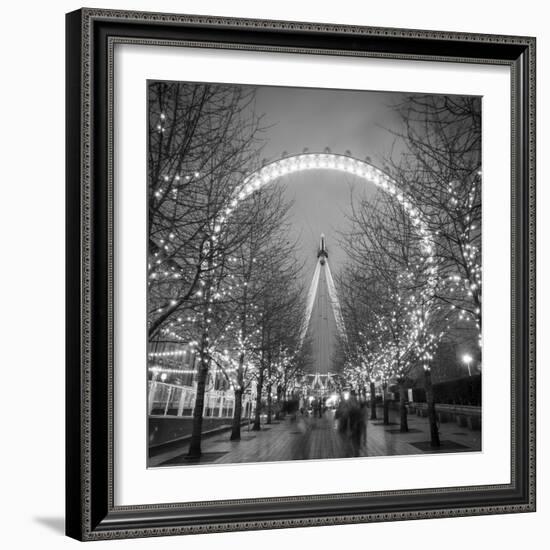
point(347, 164)
point(322, 293)
point(323, 316)
point(322, 321)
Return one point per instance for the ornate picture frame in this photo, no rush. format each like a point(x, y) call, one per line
point(91, 510)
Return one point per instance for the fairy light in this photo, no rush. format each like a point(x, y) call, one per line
point(269, 173)
point(343, 163)
point(167, 370)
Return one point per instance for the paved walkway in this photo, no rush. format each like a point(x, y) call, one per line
point(318, 438)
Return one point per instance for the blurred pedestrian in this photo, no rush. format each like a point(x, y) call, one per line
point(342, 416)
point(363, 423)
point(358, 426)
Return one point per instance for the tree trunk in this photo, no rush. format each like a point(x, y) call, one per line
point(236, 427)
point(372, 401)
point(434, 432)
point(196, 434)
point(386, 405)
point(269, 388)
point(257, 419)
point(280, 403)
point(237, 416)
point(404, 426)
point(269, 404)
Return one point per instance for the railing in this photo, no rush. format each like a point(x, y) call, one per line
point(173, 400)
point(463, 415)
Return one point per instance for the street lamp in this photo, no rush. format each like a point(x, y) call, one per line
point(467, 358)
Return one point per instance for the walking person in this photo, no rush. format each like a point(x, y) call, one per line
point(358, 426)
point(363, 416)
point(342, 416)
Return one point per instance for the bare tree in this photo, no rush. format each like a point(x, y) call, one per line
point(441, 172)
point(203, 141)
point(264, 214)
point(358, 348)
point(281, 311)
point(392, 312)
point(286, 346)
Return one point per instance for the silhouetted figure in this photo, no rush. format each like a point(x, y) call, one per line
point(355, 427)
point(363, 422)
point(342, 415)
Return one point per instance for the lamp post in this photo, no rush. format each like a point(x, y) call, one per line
point(467, 358)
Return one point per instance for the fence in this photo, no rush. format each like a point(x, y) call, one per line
point(172, 400)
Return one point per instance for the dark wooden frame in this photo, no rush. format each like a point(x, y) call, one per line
point(91, 35)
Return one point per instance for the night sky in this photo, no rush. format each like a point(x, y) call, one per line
point(342, 120)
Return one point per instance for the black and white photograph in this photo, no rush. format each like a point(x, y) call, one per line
point(271, 275)
point(314, 274)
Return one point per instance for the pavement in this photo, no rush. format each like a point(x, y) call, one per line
point(318, 438)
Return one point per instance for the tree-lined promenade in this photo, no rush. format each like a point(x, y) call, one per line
point(319, 438)
point(224, 274)
point(400, 301)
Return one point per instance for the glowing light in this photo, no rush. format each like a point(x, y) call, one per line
point(467, 358)
point(315, 161)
